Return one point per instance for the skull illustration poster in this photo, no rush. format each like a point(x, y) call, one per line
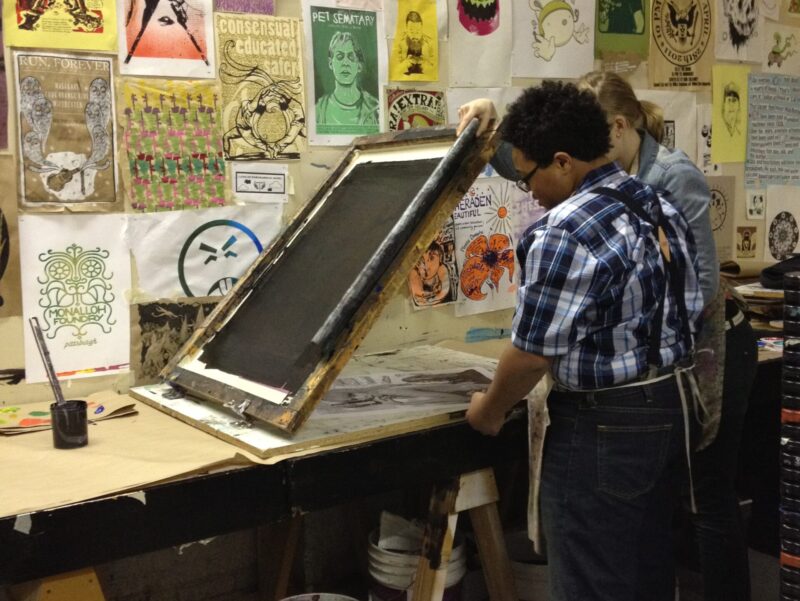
point(166, 37)
point(485, 247)
point(65, 132)
point(739, 31)
point(75, 277)
point(199, 253)
point(263, 7)
point(483, 36)
point(783, 223)
point(69, 24)
point(261, 70)
point(408, 109)
point(681, 54)
point(553, 38)
point(173, 145)
point(348, 60)
point(10, 292)
point(729, 117)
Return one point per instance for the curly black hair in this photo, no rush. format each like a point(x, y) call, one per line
point(557, 117)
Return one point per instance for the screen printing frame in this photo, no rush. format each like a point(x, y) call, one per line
point(463, 159)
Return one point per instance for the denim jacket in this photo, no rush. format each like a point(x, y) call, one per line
point(668, 171)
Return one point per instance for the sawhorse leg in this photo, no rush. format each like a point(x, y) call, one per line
point(69, 586)
point(475, 492)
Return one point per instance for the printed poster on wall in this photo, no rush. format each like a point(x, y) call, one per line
point(623, 32)
point(172, 144)
point(781, 49)
point(10, 287)
point(264, 7)
point(722, 212)
point(747, 246)
point(415, 48)
point(433, 281)
point(75, 280)
point(199, 253)
point(407, 109)
point(729, 116)
point(482, 34)
point(739, 31)
point(553, 38)
point(3, 95)
point(259, 182)
point(66, 24)
point(166, 38)
point(680, 118)
point(261, 71)
point(348, 60)
point(681, 52)
point(66, 139)
point(782, 223)
point(773, 154)
point(485, 247)
point(704, 138)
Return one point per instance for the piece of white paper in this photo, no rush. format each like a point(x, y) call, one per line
point(170, 39)
point(739, 31)
point(553, 39)
point(76, 279)
point(771, 9)
point(680, 118)
point(721, 212)
point(202, 252)
point(783, 223)
point(259, 182)
point(703, 130)
point(479, 45)
point(501, 97)
point(484, 224)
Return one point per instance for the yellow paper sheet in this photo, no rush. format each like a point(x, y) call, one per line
point(61, 24)
point(729, 113)
point(415, 50)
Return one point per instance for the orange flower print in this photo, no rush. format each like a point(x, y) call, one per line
point(486, 259)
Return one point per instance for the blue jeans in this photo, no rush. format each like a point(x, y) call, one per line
point(610, 472)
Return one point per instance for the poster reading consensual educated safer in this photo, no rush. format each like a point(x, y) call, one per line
point(349, 66)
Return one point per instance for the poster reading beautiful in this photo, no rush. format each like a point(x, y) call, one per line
point(166, 38)
point(67, 24)
point(172, 144)
point(65, 132)
point(348, 60)
point(261, 70)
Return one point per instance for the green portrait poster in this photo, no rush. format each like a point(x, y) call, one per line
point(348, 66)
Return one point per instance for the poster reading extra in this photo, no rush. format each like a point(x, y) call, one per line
point(68, 24)
point(65, 132)
point(261, 70)
point(348, 60)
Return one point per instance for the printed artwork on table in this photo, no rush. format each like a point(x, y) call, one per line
point(409, 109)
point(415, 49)
point(68, 24)
point(166, 38)
point(781, 53)
point(10, 291)
point(721, 213)
point(433, 281)
point(680, 53)
point(65, 131)
point(159, 330)
point(261, 71)
point(553, 38)
point(173, 145)
point(739, 31)
point(263, 7)
point(782, 223)
point(485, 247)
point(349, 64)
point(746, 242)
point(729, 116)
point(75, 276)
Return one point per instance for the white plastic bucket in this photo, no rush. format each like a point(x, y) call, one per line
point(529, 569)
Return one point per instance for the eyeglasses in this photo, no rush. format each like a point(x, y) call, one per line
point(523, 184)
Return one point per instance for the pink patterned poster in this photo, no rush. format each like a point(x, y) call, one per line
point(261, 7)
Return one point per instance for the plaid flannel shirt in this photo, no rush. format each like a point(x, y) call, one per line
point(592, 276)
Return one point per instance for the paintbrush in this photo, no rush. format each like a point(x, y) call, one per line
point(48, 364)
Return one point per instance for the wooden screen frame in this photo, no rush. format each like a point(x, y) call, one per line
point(471, 155)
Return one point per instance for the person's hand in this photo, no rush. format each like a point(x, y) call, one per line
point(482, 416)
point(482, 108)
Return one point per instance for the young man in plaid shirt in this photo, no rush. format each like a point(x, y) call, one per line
point(597, 308)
